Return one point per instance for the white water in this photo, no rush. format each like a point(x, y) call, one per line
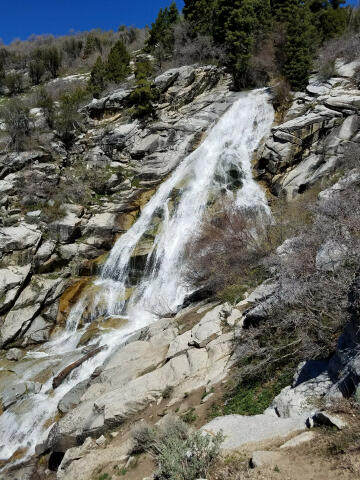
point(180, 202)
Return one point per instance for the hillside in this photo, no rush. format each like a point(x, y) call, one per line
point(179, 248)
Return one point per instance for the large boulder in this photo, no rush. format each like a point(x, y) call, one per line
point(12, 279)
point(239, 430)
point(20, 237)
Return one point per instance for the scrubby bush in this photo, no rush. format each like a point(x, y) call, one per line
point(36, 70)
point(73, 47)
point(52, 60)
point(17, 120)
point(68, 117)
point(45, 101)
point(227, 252)
point(14, 82)
point(180, 454)
point(97, 78)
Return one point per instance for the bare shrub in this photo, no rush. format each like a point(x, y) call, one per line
point(346, 47)
point(17, 119)
point(190, 49)
point(228, 250)
point(305, 316)
point(180, 454)
point(262, 63)
point(281, 94)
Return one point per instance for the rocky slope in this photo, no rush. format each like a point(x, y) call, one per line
point(179, 362)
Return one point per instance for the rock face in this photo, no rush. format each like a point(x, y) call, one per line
point(139, 374)
point(320, 125)
point(130, 158)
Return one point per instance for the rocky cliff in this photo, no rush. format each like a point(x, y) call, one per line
point(178, 363)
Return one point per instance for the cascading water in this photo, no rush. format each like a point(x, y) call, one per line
point(178, 206)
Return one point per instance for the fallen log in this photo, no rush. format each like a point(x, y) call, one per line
point(65, 372)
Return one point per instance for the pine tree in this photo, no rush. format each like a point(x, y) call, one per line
point(200, 14)
point(97, 77)
point(118, 63)
point(142, 97)
point(161, 30)
point(299, 47)
point(244, 19)
point(36, 70)
point(52, 60)
point(282, 10)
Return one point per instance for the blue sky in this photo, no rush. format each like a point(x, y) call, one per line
point(21, 18)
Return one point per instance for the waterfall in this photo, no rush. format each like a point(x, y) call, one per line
point(175, 211)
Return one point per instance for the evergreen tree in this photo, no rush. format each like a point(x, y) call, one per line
point(52, 60)
point(299, 47)
point(97, 78)
point(282, 10)
point(118, 63)
point(200, 14)
point(161, 30)
point(244, 19)
point(36, 70)
point(142, 97)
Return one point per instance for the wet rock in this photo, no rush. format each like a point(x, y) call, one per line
point(16, 392)
point(14, 354)
point(73, 397)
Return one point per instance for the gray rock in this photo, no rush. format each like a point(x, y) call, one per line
point(179, 345)
point(261, 458)
point(66, 229)
point(16, 321)
point(14, 354)
point(331, 256)
point(325, 418)
point(12, 279)
point(207, 329)
point(239, 430)
point(18, 238)
point(165, 80)
point(16, 392)
point(299, 440)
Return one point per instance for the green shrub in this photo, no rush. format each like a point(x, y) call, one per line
point(118, 63)
point(142, 97)
point(52, 60)
point(15, 83)
point(36, 70)
point(97, 78)
point(180, 454)
point(253, 396)
point(68, 118)
point(46, 103)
